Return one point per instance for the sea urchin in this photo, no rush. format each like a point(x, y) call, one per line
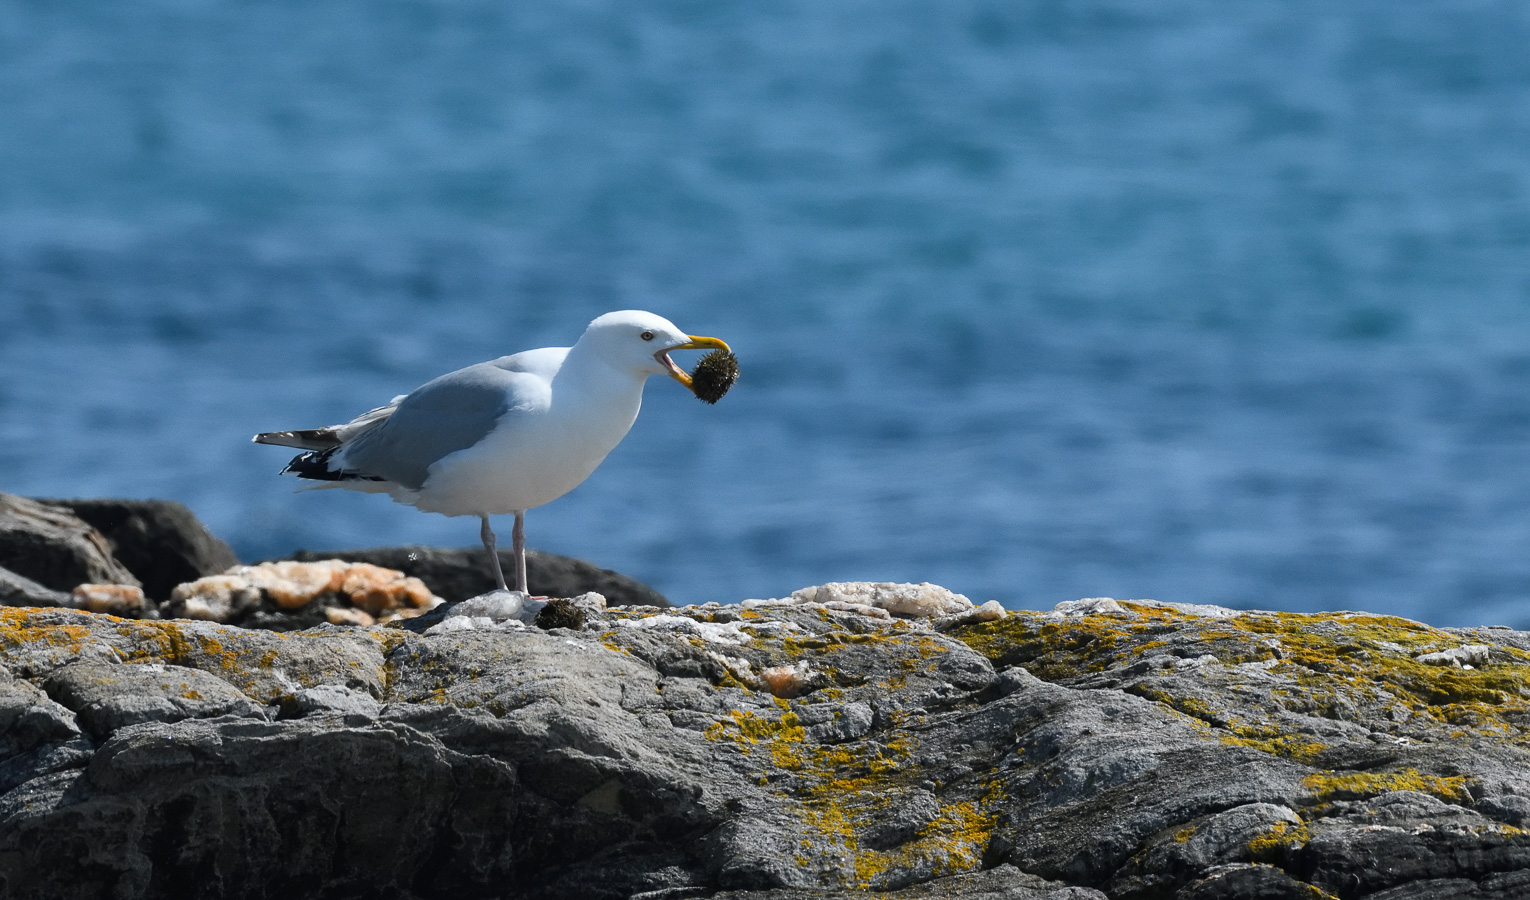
point(714, 374)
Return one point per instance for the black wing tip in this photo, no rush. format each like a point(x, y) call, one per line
point(314, 465)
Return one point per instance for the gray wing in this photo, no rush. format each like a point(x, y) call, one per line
point(329, 437)
point(439, 418)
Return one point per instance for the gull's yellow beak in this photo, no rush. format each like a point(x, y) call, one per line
point(696, 342)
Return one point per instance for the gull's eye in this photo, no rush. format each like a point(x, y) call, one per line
point(647, 335)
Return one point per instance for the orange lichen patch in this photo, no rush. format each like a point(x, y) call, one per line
point(292, 585)
point(171, 642)
point(212, 598)
point(788, 681)
point(376, 589)
point(21, 626)
point(115, 599)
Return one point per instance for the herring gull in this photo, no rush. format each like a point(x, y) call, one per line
point(502, 436)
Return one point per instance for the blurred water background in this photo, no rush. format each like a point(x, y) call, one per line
point(1220, 302)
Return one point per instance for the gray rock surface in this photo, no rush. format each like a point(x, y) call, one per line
point(161, 542)
point(457, 574)
point(1126, 750)
point(108, 696)
point(18, 591)
point(55, 548)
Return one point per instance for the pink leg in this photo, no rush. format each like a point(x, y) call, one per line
point(489, 543)
point(518, 545)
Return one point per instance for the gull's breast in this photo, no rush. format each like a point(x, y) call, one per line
point(529, 459)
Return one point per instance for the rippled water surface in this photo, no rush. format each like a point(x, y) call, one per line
point(1214, 302)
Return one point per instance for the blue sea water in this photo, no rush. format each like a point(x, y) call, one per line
point(1221, 302)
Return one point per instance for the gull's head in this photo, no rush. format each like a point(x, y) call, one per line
point(641, 343)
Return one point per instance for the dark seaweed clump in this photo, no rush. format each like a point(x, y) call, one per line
point(715, 373)
point(559, 613)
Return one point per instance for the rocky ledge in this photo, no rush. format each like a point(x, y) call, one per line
point(131, 558)
point(827, 745)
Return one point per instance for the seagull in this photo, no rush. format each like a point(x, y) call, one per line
point(502, 436)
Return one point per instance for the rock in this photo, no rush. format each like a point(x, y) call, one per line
point(1465, 656)
point(1001, 883)
point(109, 696)
point(834, 723)
point(332, 698)
point(114, 599)
point(1135, 750)
point(1251, 881)
point(289, 595)
point(790, 681)
point(501, 611)
point(1508, 809)
point(992, 611)
point(345, 615)
point(1218, 839)
point(457, 574)
point(496, 606)
point(161, 542)
point(18, 591)
point(37, 736)
point(924, 600)
point(55, 548)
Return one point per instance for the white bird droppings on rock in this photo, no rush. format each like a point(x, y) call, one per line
point(755, 603)
point(1089, 606)
point(712, 632)
point(874, 612)
point(474, 623)
point(494, 611)
point(497, 606)
point(1463, 657)
point(1094, 606)
point(992, 611)
point(923, 600)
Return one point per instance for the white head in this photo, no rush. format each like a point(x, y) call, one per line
point(640, 342)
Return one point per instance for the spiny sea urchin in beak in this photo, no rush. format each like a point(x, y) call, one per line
point(696, 342)
point(714, 374)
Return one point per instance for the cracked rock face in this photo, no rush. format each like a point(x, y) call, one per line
point(1129, 750)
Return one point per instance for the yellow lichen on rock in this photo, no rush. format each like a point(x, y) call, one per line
point(1282, 837)
point(842, 790)
point(1327, 785)
point(1336, 660)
